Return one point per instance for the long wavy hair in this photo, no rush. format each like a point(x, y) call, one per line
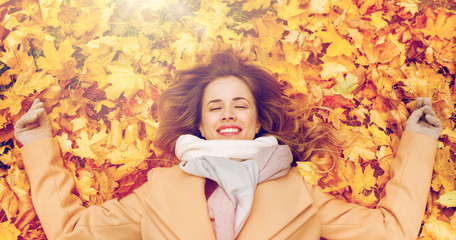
point(179, 108)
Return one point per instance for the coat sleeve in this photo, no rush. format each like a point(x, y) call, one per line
point(399, 214)
point(62, 214)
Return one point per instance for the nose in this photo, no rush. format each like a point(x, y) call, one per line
point(228, 114)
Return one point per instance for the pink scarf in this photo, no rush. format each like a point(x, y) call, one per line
point(237, 166)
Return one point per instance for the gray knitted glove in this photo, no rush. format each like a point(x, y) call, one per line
point(424, 120)
point(33, 125)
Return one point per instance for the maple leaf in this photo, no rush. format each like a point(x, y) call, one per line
point(9, 201)
point(309, 170)
point(377, 20)
point(269, 33)
point(311, 46)
point(437, 229)
point(84, 184)
point(444, 171)
point(288, 9)
point(362, 181)
point(378, 118)
point(8, 231)
point(123, 81)
point(64, 143)
point(85, 143)
point(346, 85)
point(339, 46)
point(360, 149)
point(332, 70)
point(442, 25)
point(255, 5)
point(380, 137)
point(448, 199)
point(410, 6)
point(320, 6)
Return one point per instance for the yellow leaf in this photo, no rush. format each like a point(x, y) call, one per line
point(380, 137)
point(377, 118)
point(51, 59)
point(185, 45)
point(124, 80)
point(448, 199)
point(9, 201)
point(12, 102)
point(339, 46)
point(84, 184)
point(3, 121)
point(363, 181)
point(332, 70)
point(444, 169)
point(346, 85)
point(309, 171)
point(377, 20)
point(288, 9)
point(64, 143)
point(293, 55)
point(335, 116)
point(320, 6)
point(438, 229)
point(359, 113)
point(107, 103)
point(84, 144)
point(270, 32)
point(362, 148)
point(410, 6)
point(49, 10)
point(8, 231)
point(255, 5)
point(78, 123)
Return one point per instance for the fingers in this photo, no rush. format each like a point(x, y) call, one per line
point(36, 104)
point(419, 103)
point(427, 102)
point(416, 115)
point(428, 111)
point(29, 118)
point(434, 121)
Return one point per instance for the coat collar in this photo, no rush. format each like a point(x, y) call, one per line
point(179, 203)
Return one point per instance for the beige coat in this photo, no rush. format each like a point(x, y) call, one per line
point(172, 204)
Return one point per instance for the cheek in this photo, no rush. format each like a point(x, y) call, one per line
point(206, 122)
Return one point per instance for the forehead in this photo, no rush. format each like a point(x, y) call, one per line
point(227, 88)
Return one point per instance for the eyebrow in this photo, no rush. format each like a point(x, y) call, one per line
point(234, 99)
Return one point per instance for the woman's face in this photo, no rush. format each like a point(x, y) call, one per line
point(228, 111)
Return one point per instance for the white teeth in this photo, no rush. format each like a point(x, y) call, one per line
point(229, 130)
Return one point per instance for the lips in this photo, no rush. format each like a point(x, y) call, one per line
point(229, 130)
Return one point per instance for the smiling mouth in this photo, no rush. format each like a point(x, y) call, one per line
point(229, 130)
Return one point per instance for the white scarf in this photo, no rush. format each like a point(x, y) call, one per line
point(231, 202)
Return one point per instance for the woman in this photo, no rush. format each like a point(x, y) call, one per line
point(237, 137)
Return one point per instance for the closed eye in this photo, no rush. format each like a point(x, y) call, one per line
point(214, 109)
point(240, 107)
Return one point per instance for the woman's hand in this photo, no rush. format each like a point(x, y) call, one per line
point(33, 125)
point(424, 120)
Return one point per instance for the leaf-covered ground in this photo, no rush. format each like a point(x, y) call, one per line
point(100, 65)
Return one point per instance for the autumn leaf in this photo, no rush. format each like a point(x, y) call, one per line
point(123, 81)
point(99, 67)
point(85, 142)
point(8, 231)
point(255, 5)
point(8, 199)
point(346, 85)
point(309, 170)
point(332, 70)
point(448, 199)
point(437, 229)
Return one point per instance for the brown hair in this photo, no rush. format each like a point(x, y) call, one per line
point(179, 107)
